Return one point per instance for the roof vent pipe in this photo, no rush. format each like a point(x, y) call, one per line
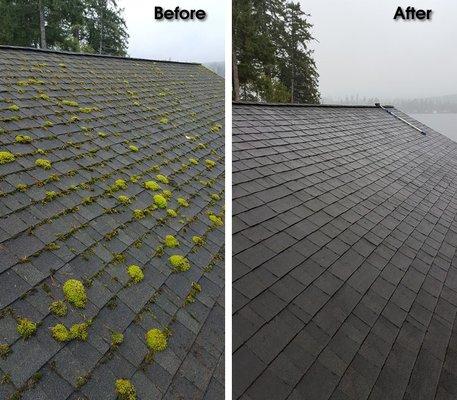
point(401, 119)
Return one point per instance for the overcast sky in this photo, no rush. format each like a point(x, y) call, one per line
point(175, 40)
point(362, 50)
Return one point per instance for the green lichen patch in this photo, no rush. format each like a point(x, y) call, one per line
point(133, 148)
point(151, 185)
point(23, 139)
point(117, 338)
point(26, 328)
point(210, 164)
point(58, 308)
point(172, 213)
point(160, 201)
point(5, 350)
point(198, 240)
point(75, 293)
point(162, 179)
point(156, 340)
point(124, 199)
point(179, 263)
point(43, 163)
point(125, 389)
point(135, 273)
point(171, 241)
point(182, 202)
point(6, 157)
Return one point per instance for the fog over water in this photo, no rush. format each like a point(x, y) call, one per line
point(362, 50)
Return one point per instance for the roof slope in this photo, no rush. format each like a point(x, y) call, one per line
point(108, 125)
point(345, 265)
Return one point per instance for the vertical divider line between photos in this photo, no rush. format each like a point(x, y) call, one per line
point(228, 200)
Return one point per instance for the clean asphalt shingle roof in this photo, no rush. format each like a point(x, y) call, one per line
point(345, 264)
point(97, 120)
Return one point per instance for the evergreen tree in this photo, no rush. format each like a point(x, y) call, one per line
point(271, 59)
point(77, 25)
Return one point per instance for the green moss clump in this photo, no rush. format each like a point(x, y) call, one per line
point(179, 263)
point(77, 332)
point(23, 139)
point(6, 157)
point(216, 220)
point(21, 187)
point(171, 241)
point(156, 340)
point(102, 134)
point(138, 214)
point(117, 338)
point(160, 201)
point(195, 289)
point(124, 199)
point(135, 272)
point(151, 185)
point(215, 197)
point(43, 163)
point(167, 194)
point(163, 120)
point(5, 350)
point(125, 389)
point(193, 161)
point(183, 202)
point(26, 328)
point(58, 308)
point(133, 148)
point(119, 184)
point(75, 293)
point(210, 164)
point(162, 178)
point(13, 107)
point(50, 195)
point(198, 240)
point(216, 128)
point(70, 103)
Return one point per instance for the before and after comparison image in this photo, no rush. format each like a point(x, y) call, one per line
point(228, 199)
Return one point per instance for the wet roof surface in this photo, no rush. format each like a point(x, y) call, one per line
point(345, 266)
point(98, 120)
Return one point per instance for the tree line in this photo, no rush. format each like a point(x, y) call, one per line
point(271, 59)
point(91, 26)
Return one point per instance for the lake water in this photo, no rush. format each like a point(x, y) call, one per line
point(443, 123)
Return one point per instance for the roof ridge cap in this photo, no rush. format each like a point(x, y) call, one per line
point(266, 104)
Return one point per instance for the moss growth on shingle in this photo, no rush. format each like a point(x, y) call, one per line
point(58, 308)
point(6, 157)
point(215, 197)
point(156, 340)
point(23, 139)
point(102, 134)
point(163, 120)
point(48, 124)
point(70, 103)
point(5, 350)
point(138, 214)
point(76, 332)
point(135, 272)
point(171, 241)
point(216, 220)
point(194, 291)
point(119, 184)
point(210, 164)
point(162, 179)
point(182, 202)
point(160, 201)
point(125, 389)
point(216, 128)
point(179, 263)
point(133, 148)
point(117, 338)
point(21, 187)
point(13, 107)
point(26, 328)
point(75, 293)
point(198, 240)
point(172, 213)
point(50, 195)
point(60, 333)
point(43, 163)
point(124, 199)
point(151, 185)
point(193, 161)
point(167, 194)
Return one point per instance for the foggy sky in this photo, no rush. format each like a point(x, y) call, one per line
point(362, 50)
point(178, 40)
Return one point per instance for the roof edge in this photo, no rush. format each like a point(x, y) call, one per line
point(70, 53)
point(250, 103)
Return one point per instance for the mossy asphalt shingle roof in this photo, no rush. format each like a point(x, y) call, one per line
point(345, 264)
point(84, 114)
